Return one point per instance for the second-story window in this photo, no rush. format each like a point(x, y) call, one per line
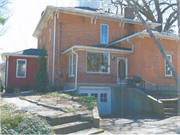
point(49, 30)
point(104, 33)
point(44, 38)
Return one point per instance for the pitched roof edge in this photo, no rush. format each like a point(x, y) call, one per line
point(50, 9)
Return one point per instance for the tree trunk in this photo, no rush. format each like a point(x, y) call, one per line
point(175, 74)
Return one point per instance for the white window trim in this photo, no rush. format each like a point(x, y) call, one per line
point(17, 68)
point(72, 68)
point(49, 30)
point(165, 65)
point(99, 72)
point(107, 34)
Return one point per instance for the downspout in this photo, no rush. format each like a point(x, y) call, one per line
point(76, 73)
point(54, 46)
point(7, 68)
point(132, 45)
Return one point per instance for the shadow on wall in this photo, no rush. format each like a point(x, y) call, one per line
point(132, 102)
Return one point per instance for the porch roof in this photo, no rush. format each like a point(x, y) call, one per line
point(98, 48)
point(144, 33)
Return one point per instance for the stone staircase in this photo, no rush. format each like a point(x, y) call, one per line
point(170, 107)
point(71, 123)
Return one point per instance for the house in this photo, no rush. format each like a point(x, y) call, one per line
point(91, 51)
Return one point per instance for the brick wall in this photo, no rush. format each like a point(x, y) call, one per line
point(31, 70)
point(146, 61)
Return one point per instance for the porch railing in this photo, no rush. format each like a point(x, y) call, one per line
point(141, 84)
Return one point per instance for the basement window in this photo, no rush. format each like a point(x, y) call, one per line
point(21, 68)
point(168, 71)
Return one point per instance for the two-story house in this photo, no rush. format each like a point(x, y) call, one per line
point(91, 51)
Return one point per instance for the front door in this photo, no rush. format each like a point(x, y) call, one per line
point(121, 70)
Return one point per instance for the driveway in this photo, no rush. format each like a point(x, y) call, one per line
point(116, 125)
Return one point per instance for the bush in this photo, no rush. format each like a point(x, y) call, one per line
point(17, 122)
point(1, 86)
point(25, 88)
point(41, 78)
point(55, 88)
point(9, 89)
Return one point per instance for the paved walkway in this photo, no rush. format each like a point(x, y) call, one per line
point(32, 108)
point(141, 126)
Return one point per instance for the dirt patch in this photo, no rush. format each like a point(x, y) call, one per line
point(62, 101)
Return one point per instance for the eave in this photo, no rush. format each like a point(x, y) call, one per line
point(50, 9)
point(95, 49)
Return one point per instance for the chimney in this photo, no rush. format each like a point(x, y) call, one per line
point(129, 13)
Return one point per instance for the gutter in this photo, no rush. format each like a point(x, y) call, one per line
point(54, 46)
point(97, 49)
point(76, 73)
point(131, 44)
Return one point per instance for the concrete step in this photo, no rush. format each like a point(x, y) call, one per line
point(170, 110)
point(88, 131)
point(170, 104)
point(64, 118)
point(171, 114)
point(71, 127)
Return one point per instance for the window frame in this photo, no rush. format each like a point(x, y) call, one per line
point(167, 65)
point(17, 68)
point(99, 72)
point(72, 65)
point(107, 34)
point(49, 30)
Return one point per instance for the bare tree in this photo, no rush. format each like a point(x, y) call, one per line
point(159, 11)
point(5, 14)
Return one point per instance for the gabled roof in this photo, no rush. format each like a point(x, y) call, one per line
point(162, 35)
point(88, 12)
point(24, 53)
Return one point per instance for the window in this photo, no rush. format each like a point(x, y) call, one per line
point(84, 94)
point(44, 38)
point(103, 97)
point(40, 40)
point(49, 30)
point(168, 71)
point(21, 68)
point(94, 94)
point(71, 65)
point(97, 62)
point(104, 33)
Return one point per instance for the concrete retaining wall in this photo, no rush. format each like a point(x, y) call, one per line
point(132, 102)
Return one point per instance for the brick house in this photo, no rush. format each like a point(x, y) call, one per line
point(91, 51)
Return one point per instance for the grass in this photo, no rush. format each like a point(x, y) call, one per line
point(14, 121)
